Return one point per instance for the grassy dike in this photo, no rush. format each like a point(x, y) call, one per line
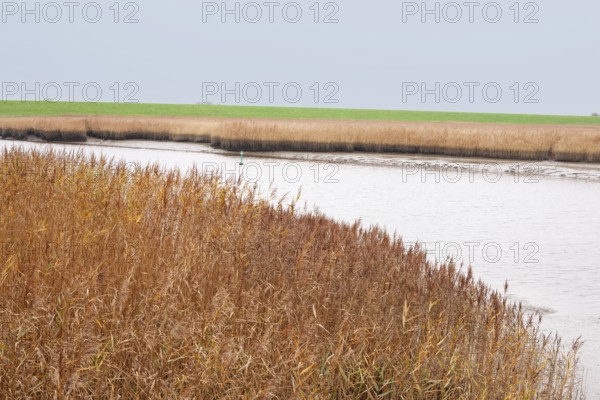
point(144, 283)
point(17, 108)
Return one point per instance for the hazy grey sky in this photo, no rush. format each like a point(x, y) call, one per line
point(377, 55)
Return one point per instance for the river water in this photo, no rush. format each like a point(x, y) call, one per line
point(535, 225)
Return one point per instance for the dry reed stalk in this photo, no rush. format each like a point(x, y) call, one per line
point(143, 283)
point(529, 142)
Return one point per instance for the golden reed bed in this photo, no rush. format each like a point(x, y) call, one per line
point(528, 142)
point(146, 284)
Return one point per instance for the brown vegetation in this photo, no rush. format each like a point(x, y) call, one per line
point(144, 283)
point(528, 142)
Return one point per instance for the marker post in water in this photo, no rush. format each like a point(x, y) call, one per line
point(242, 157)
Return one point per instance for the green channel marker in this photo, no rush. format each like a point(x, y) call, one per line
point(242, 157)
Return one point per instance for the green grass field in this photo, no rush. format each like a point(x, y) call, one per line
point(17, 108)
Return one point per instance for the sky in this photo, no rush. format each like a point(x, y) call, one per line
point(500, 57)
